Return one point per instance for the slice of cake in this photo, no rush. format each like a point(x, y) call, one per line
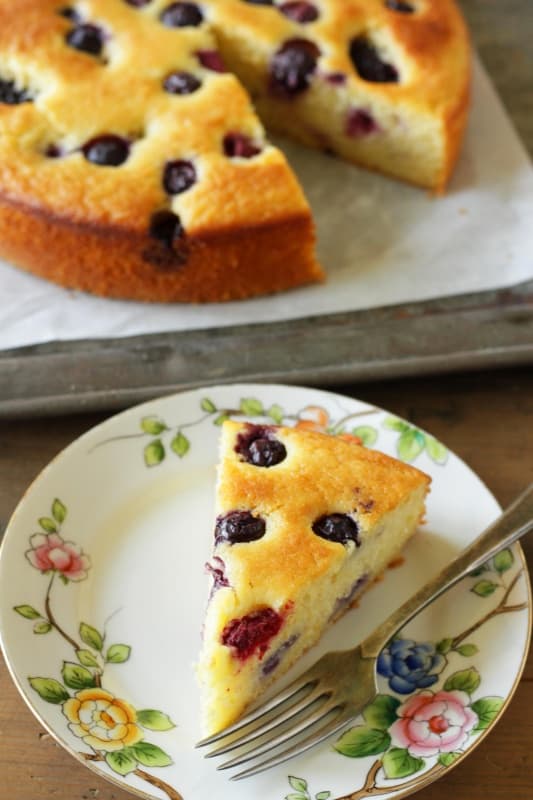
point(304, 522)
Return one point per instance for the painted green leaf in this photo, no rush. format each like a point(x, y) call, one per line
point(59, 511)
point(63, 578)
point(395, 424)
point(399, 763)
point(251, 407)
point(276, 413)
point(28, 612)
point(153, 425)
point(221, 419)
point(180, 444)
point(298, 783)
point(76, 676)
point(466, 680)
point(121, 761)
point(484, 588)
point(322, 795)
point(487, 709)
point(367, 434)
point(154, 453)
point(208, 405)
point(118, 653)
point(381, 713)
point(150, 755)
point(435, 450)
point(42, 627)
point(410, 445)
point(90, 636)
point(48, 525)
point(49, 689)
point(296, 796)
point(468, 650)
point(446, 759)
point(154, 720)
point(86, 658)
point(362, 741)
point(479, 571)
point(444, 646)
point(503, 560)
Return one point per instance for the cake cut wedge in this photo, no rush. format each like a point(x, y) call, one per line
point(304, 522)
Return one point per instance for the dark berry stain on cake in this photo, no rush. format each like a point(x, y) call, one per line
point(339, 528)
point(166, 227)
point(251, 634)
point(368, 63)
point(400, 5)
point(292, 67)
point(69, 13)
point(181, 83)
point(211, 59)
point(217, 569)
point(273, 661)
point(181, 15)
point(12, 95)
point(178, 176)
point(360, 123)
point(259, 446)
point(87, 38)
point(260, 2)
point(170, 249)
point(300, 11)
point(107, 150)
point(336, 78)
point(347, 599)
point(239, 526)
point(238, 145)
point(138, 3)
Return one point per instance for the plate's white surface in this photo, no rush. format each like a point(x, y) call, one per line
point(136, 495)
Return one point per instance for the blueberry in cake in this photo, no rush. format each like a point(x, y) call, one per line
point(304, 522)
point(134, 165)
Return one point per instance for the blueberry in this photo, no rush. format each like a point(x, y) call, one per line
point(12, 96)
point(166, 227)
point(238, 145)
point(399, 5)
point(260, 2)
point(211, 59)
point(69, 13)
point(181, 15)
point(87, 38)
point(368, 63)
point(53, 151)
point(178, 176)
point(181, 83)
point(337, 528)
point(137, 3)
point(258, 446)
point(239, 526)
point(251, 634)
point(299, 11)
point(293, 65)
point(360, 123)
point(106, 150)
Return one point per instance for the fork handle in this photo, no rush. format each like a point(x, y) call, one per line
point(510, 526)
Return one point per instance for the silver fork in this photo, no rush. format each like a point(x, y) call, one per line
point(339, 685)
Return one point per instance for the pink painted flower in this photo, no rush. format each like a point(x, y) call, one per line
point(51, 552)
point(431, 723)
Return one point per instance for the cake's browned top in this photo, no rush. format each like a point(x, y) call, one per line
point(321, 475)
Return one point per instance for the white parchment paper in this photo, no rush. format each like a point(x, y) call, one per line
point(382, 243)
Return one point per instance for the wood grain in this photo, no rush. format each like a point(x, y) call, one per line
point(487, 419)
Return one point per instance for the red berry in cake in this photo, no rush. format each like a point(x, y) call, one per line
point(13, 96)
point(300, 11)
point(252, 633)
point(400, 5)
point(335, 78)
point(339, 528)
point(181, 15)
point(181, 83)
point(238, 145)
point(106, 150)
point(360, 123)
point(292, 67)
point(87, 38)
point(178, 176)
point(260, 447)
point(211, 59)
point(368, 63)
point(239, 526)
point(166, 227)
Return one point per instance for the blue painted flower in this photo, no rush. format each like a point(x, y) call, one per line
point(410, 665)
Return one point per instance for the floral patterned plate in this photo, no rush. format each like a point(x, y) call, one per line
point(102, 591)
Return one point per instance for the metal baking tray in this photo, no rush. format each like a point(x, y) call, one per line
point(471, 331)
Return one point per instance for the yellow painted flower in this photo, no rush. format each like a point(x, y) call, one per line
point(103, 721)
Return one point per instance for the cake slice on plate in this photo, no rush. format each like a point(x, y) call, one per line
point(304, 522)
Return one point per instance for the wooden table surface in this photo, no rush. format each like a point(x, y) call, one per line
point(486, 418)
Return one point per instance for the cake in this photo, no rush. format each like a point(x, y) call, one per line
point(305, 521)
point(133, 163)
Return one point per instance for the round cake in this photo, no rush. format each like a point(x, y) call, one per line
point(133, 163)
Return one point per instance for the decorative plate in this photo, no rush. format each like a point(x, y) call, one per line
point(103, 590)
